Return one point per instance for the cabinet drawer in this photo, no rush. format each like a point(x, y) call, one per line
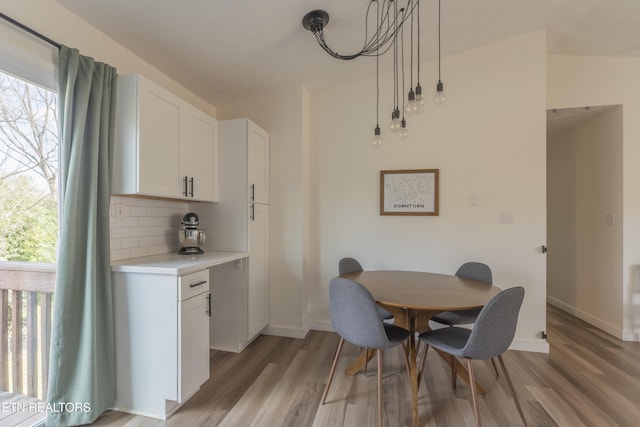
point(193, 284)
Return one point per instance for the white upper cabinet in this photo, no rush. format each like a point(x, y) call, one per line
point(199, 155)
point(164, 147)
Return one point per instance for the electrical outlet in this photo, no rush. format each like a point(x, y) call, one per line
point(119, 210)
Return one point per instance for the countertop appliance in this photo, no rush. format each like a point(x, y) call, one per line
point(191, 237)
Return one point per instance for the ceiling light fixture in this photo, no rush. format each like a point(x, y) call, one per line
point(403, 133)
point(440, 96)
point(389, 21)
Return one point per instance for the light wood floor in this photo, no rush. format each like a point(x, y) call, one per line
point(588, 379)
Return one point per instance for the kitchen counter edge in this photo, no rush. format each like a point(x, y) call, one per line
point(175, 264)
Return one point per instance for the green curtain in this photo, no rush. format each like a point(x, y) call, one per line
point(82, 367)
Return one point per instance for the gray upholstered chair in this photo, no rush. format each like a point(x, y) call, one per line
point(351, 265)
point(348, 265)
point(491, 336)
point(355, 318)
point(469, 270)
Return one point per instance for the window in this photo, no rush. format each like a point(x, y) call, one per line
point(28, 210)
point(28, 171)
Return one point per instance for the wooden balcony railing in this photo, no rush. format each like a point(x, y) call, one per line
point(26, 305)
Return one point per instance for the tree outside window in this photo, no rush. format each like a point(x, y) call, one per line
point(28, 171)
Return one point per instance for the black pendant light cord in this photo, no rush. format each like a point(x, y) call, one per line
point(375, 44)
point(395, 62)
point(377, 79)
point(402, 57)
point(439, 41)
point(418, 76)
point(411, 53)
point(30, 30)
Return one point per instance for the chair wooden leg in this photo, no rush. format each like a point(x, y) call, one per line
point(333, 369)
point(454, 375)
point(474, 397)
point(380, 403)
point(513, 391)
point(495, 367)
point(366, 361)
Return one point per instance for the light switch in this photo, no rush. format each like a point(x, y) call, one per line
point(609, 218)
point(505, 217)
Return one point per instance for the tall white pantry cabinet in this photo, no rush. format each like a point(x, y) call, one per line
point(239, 222)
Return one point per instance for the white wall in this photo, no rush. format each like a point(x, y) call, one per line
point(581, 81)
point(599, 239)
point(561, 218)
point(488, 141)
point(283, 114)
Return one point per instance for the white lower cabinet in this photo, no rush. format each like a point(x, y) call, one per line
point(240, 309)
point(162, 340)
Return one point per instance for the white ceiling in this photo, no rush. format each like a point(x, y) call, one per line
point(226, 49)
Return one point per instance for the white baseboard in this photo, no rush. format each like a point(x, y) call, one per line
point(537, 346)
point(321, 325)
point(590, 319)
point(286, 331)
point(534, 346)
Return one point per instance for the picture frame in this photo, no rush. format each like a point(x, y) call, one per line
point(409, 192)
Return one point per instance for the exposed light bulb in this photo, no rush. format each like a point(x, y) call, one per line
point(419, 98)
point(440, 96)
point(395, 120)
point(377, 139)
point(412, 105)
point(403, 132)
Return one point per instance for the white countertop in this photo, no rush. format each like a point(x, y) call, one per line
point(175, 264)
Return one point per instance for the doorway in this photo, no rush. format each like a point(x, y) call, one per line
point(584, 214)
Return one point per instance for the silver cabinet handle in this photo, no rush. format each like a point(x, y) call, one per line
point(184, 183)
point(253, 192)
point(252, 215)
point(209, 304)
point(194, 285)
point(191, 181)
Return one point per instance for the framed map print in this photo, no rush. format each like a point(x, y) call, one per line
point(409, 192)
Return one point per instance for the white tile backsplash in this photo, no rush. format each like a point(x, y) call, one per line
point(142, 227)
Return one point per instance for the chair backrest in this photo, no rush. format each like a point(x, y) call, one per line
point(476, 271)
point(495, 326)
point(349, 265)
point(354, 315)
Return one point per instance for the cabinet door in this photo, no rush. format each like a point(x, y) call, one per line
point(199, 154)
point(257, 164)
point(158, 141)
point(194, 345)
point(258, 268)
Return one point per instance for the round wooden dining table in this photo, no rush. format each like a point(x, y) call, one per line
point(413, 297)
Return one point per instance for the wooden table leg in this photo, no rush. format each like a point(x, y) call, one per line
point(413, 368)
point(359, 362)
point(461, 371)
